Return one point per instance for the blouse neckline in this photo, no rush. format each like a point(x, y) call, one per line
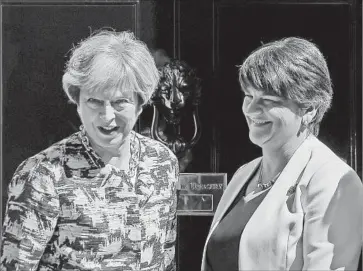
point(97, 161)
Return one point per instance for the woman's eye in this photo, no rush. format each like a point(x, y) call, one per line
point(118, 104)
point(270, 101)
point(94, 102)
point(121, 101)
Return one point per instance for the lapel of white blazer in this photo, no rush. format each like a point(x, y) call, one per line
point(291, 173)
point(267, 212)
point(233, 188)
point(276, 195)
point(284, 182)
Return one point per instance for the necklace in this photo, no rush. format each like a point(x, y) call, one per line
point(264, 186)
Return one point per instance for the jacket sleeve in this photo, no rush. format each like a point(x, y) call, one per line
point(30, 217)
point(170, 242)
point(333, 219)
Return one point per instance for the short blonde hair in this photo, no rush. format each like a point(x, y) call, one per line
point(107, 60)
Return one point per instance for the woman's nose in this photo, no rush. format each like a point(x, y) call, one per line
point(108, 112)
point(251, 106)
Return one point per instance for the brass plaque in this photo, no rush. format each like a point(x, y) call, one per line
point(200, 193)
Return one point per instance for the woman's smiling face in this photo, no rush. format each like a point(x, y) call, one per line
point(109, 116)
point(271, 119)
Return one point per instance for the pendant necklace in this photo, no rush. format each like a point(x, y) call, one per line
point(264, 186)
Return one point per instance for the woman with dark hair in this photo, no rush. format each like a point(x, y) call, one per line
point(299, 206)
point(103, 198)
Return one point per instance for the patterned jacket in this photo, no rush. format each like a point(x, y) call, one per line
point(68, 210)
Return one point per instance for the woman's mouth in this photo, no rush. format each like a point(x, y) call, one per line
point(108, 130)
point(258, 122)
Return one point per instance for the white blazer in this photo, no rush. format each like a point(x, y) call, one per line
point(316, 227)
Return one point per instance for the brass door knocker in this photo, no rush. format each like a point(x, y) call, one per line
point(176, 96)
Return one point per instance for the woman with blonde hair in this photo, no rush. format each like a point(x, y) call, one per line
point(299, 206)
point(103, 198)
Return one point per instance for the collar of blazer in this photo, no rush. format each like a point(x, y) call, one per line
point(280, 190)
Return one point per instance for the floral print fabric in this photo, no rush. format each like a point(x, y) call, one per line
point(67, 210)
